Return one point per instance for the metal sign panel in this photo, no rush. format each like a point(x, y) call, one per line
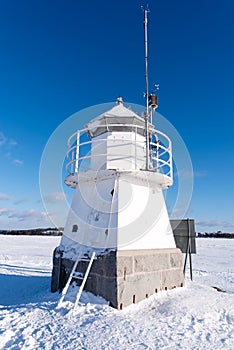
point(184, 234)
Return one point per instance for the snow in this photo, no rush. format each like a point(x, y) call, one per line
point(194, 317)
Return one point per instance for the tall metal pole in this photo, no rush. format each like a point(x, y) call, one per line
point(146, 89)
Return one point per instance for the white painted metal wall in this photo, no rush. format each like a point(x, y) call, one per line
point(143, 221)
point(116, 213)
point(118, 150)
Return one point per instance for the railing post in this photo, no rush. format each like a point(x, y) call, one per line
point(135, 147)
point(170, 160)
point(157, 153)
point(77, 151)
point(72, 164)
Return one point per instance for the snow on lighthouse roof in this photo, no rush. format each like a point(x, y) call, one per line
point(119, 118)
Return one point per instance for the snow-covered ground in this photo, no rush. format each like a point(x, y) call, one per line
point(194, 317)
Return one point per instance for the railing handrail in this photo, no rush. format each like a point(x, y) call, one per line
point(87, 129)
point(157, 150)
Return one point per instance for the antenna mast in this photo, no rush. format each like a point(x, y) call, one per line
point(146, 60)
point(146, 114)
point(151, 100)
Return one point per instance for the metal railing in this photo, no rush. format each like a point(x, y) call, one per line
point(81, 145)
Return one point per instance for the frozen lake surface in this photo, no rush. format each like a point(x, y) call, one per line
point(194, 317)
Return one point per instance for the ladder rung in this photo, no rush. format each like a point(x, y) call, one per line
point(78, 275)
point(87, 259)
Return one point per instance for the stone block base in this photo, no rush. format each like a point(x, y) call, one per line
point(125, 277)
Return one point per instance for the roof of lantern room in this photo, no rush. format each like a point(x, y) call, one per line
point(118, 118)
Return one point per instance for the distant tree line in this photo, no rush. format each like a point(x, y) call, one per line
point(218, 234)
point(34, 232)
point(59, 231)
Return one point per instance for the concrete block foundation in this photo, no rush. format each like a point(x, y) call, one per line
point(125, 277)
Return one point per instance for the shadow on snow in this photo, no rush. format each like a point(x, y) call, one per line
point(17, 290)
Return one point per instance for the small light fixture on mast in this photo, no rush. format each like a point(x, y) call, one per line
point(153, 101)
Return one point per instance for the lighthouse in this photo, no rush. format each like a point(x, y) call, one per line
point(118, 228)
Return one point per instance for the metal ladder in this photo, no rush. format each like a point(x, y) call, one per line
point(76, 275)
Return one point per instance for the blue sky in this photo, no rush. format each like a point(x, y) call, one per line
point(58, 57)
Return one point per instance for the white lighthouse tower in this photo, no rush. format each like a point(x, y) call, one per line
point(119, 165)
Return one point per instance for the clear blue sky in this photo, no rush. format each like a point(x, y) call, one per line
point(58, 57)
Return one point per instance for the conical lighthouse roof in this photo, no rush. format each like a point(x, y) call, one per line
point(118, 118)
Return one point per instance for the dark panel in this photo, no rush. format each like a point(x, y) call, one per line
point(184, 230)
